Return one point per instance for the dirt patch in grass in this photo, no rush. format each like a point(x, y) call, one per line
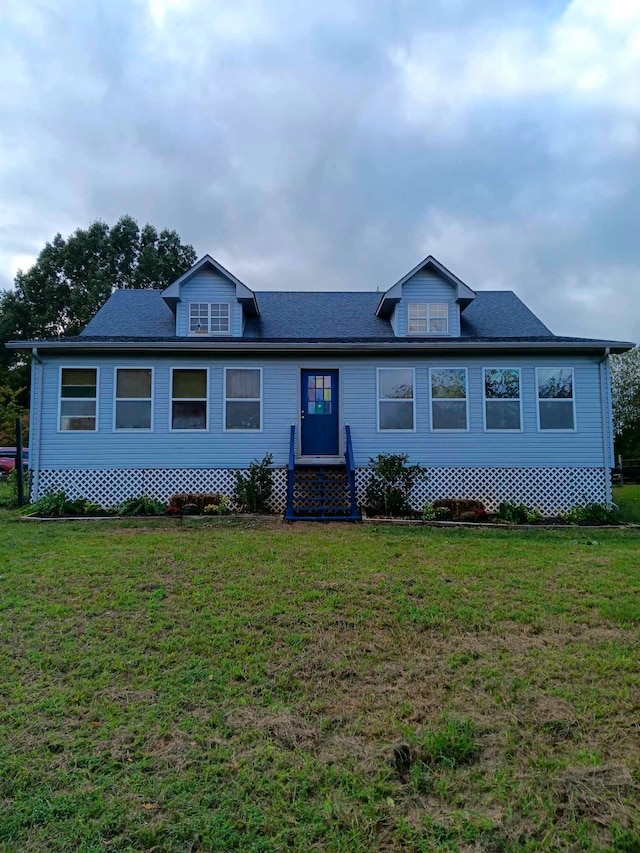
point(600, 793)
point(287, 729)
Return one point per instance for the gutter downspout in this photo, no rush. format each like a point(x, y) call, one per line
point(34, 446)
point(607, 426)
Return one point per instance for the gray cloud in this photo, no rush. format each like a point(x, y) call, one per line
point(332, 145)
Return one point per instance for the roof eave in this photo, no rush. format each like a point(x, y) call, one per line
point(390, 345)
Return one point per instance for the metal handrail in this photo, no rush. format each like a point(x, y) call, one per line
point(291, 471)
point(348, 457)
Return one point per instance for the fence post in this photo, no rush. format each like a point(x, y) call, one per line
point(19, 467)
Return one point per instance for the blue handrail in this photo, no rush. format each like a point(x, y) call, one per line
point(291, 472)
point(348, 456)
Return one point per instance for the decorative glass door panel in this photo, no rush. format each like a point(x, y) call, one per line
point(319, 413)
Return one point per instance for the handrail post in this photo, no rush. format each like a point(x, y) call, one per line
point(348, 455)
point(291, 472)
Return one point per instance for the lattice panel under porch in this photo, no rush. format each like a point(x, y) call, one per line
point(551, 490)
point(110, 487)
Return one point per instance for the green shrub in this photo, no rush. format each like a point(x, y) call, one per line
point(143, 505)
point(593, 513)
point(254, 487)
point(9, 498)
point(57, 504)
point(451, 744)
point(514, 513)
point(391, 482)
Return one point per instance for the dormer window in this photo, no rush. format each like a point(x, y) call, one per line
point(428, 318)
point(209, 318)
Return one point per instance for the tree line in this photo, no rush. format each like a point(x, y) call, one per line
point(70, 280)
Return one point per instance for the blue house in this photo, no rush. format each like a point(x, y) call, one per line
point(175, 390)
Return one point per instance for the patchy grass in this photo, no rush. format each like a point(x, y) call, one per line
point(232, 685)
point(628, 499)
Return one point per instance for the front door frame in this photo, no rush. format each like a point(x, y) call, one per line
point(310, 458)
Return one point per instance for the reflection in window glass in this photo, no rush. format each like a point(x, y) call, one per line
point(502, 398)
point(555, 398)
point(395, 399)
point(449, 398)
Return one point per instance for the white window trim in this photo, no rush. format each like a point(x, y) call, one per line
point(209, 332)
point(188, 399)
point(428, 305)
point(241, 400)
point(500, 399)
point(557, 399)
point(116, 399)
point(431, 398)
point(380, 399)
point(97, 397)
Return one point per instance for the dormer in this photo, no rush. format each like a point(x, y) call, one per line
point(427, 302)
point(209, 302)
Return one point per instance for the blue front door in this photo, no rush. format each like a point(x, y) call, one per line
point(319, 413)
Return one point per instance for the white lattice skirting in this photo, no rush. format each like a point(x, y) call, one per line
point(551, 490)
point(109, 487)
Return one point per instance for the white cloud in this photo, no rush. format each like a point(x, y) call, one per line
point(590, 54)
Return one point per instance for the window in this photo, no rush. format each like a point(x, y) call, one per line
point(555, 398)
point(189, 398)
point(242, 398)
point(448, 398)
point(502, 399)
point(78, 396)
point(428, 318)
point(395, 398)
point(209, 318)
point(133, 398)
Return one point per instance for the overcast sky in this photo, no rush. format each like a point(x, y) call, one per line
point(332, 144)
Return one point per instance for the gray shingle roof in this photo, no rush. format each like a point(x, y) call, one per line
point(301, 315)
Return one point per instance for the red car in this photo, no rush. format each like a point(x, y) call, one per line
point(8, 460)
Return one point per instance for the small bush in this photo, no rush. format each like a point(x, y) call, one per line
point(221, 508)
point(450, 745)
point(389, 488)
point(593, 513)
point(457, 506)
point(513, 513)
point(254, 487)
point(143, 505)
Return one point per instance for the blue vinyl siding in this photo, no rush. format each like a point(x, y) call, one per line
point(426, 287)
point(215, 448)
point(208, 286)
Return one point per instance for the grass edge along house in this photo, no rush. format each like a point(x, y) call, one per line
point(175, 390)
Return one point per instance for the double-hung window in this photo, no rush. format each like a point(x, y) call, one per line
point(209, 318)
point(243, 398)
point(133, 398)
point(502, 399)
point(448, 398)
point(396, 398)
point(428, 318)
point(78, 399)
point(189, 401)
point(556, 402)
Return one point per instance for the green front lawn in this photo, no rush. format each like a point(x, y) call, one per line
point(231, 685)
